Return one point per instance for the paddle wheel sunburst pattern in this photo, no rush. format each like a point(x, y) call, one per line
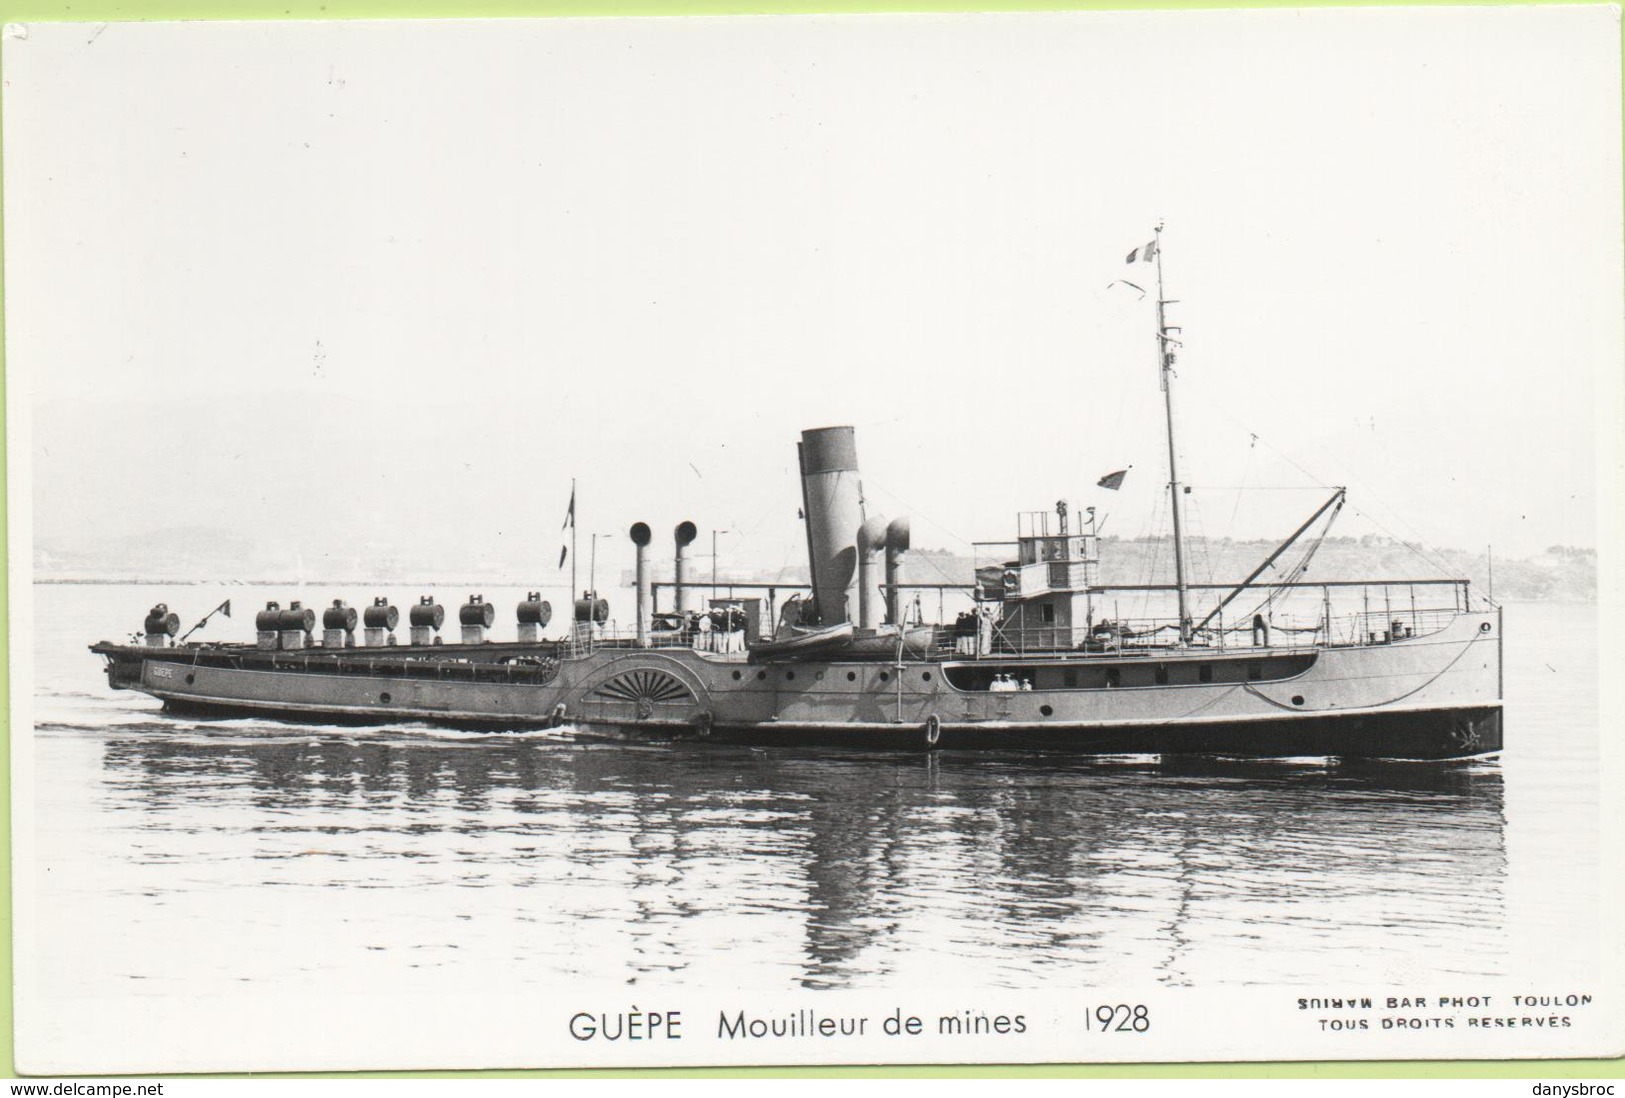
point(645, 688)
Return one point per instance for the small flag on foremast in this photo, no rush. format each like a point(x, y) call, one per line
point(224, 608)
point(1144, 255)
point(1114, 481)
point(569, 521)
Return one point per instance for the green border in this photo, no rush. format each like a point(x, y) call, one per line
point(158, 10)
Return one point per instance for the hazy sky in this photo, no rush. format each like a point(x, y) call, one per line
point(340, 283)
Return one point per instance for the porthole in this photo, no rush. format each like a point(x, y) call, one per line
point(384, 697)
point(1047, 710)
point(1483, 627)
point(851, 676)
point(190, 679)
point(925, 676)
point(1297, 699)
point(761, 675)
point(737, 676)
point(789, 676)
point(885, 676)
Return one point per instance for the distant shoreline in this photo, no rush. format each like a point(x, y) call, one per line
point(437, 583)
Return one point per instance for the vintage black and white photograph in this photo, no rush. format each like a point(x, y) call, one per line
point(960, 538)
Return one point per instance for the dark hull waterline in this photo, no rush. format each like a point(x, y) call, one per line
point(1439, 734)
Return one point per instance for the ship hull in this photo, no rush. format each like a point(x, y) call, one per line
point(1432, 697)
point(1414, 734)
point(1433, 734)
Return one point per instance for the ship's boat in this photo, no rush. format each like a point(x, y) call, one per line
point(841, 639)
point(805, 640)
point(892, 642)
point(1390, 668)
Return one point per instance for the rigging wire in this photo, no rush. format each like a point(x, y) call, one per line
point(1415, 546)
point(1119, 420)
point(1279, 590)
point(1246, 475)
point(1157, 541)
point(927, 558)
point(1198, 537)
point(913, 512)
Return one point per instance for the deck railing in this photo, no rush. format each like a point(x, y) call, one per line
point(1296, 615)
point(587, 639)
point(1130, 635)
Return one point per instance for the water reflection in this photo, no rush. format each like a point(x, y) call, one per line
point(846, 869)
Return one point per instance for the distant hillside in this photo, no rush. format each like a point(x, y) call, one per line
point(1561, 573)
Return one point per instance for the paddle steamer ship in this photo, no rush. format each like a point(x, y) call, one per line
point(1035, 664)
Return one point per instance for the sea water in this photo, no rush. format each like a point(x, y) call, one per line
point(178, 857)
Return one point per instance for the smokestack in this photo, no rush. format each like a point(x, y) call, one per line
point(685, 533)
point(871, 540)
point(896, 546)
point(834, 507)
point(641, 536)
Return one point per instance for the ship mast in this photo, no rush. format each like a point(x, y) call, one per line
point(1165, 367)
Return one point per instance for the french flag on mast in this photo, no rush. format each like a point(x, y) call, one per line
point(569, 522)
point(1144, 255)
